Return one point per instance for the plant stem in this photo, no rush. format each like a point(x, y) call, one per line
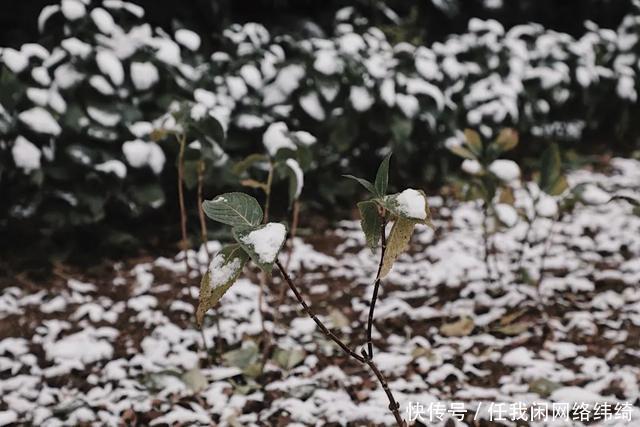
point(364, 359)
point(485, 237)
point(376, 286)
point(203, 222)
point(182, 139)
point(267, 201)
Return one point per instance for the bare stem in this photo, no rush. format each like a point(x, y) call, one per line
point(362, 359)
point(203, 222)
point(182, 140)
point(376, 286)
point(486, 237)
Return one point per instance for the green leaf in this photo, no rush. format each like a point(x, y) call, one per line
point(366, 184)
point(397, 243)
point(223, 271)
point(262, 243)
point(393, 204)
point(382, 176)
point(371, 222)
point(550, 168)
point(507, 139)
point(235, 209)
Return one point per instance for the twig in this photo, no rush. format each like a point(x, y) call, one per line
point(376, 286)
point(203, 222)
point(182, 140)
point(362, 359)
point(485, 237)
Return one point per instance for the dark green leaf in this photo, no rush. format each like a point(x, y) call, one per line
point(550, 168)
point(382, 176)
point(366, 184)
point(371, 222)
point(235, 209)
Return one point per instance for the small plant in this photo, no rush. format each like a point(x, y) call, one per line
point(262, 242)
point(491, 180)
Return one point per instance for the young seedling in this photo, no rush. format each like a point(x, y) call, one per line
point(491, 177)
point(261, 243)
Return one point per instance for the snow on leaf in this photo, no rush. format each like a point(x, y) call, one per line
point(262, 243)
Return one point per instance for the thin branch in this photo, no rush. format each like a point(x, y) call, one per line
point(376, 286)
point(393, 405)
point(362, 359)
point(182, 140)
point(203, 222)
point(486, 237)
point(311, 314)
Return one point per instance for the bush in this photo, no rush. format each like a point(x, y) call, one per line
point(78, 113)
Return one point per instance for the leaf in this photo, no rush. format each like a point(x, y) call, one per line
point(391, 203)
point(550, 168)
point(514, 329)
point(252, 183)
point(507, 196)
point(366, 184)
point(507, 139)
point(194, 379)
point(370, 222)
point(288, 359)
point(397, 243)
point(559, 187)
point(246, 358)
point(474, 141)
point(235, 209)
point(262, 243)
point(382, 176)
point(223, 271)
point(461, 328)
point(244, 164)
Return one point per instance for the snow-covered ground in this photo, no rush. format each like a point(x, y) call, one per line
point(118, 344)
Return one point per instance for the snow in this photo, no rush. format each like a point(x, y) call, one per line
point(276, 137)
point(76, 47)
point(144, 75)
point(295, 167)
point(408, 104)
point(101, 84)
point(506, 214)
point(103, 20)
point(251, 75)
point(360, 98)
point(547, 206)
point(472, 167)
point(237, 87)
point(113, 166)
point(110, 65)
point(327, 62)
point(266, 241)
point(220, 273)
point(506, 170)
point(140, 154)
point(66, 76)
point(72, 9)
point(47, 12)
point(8, 417)
point(188, 39)
point(412, 203)
point(41, 76)
point(305, 138)
point(105, 118)
point(41, 121)
point(594, 195)
point(14, 60)
point(25, 154)
point(311, 105)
